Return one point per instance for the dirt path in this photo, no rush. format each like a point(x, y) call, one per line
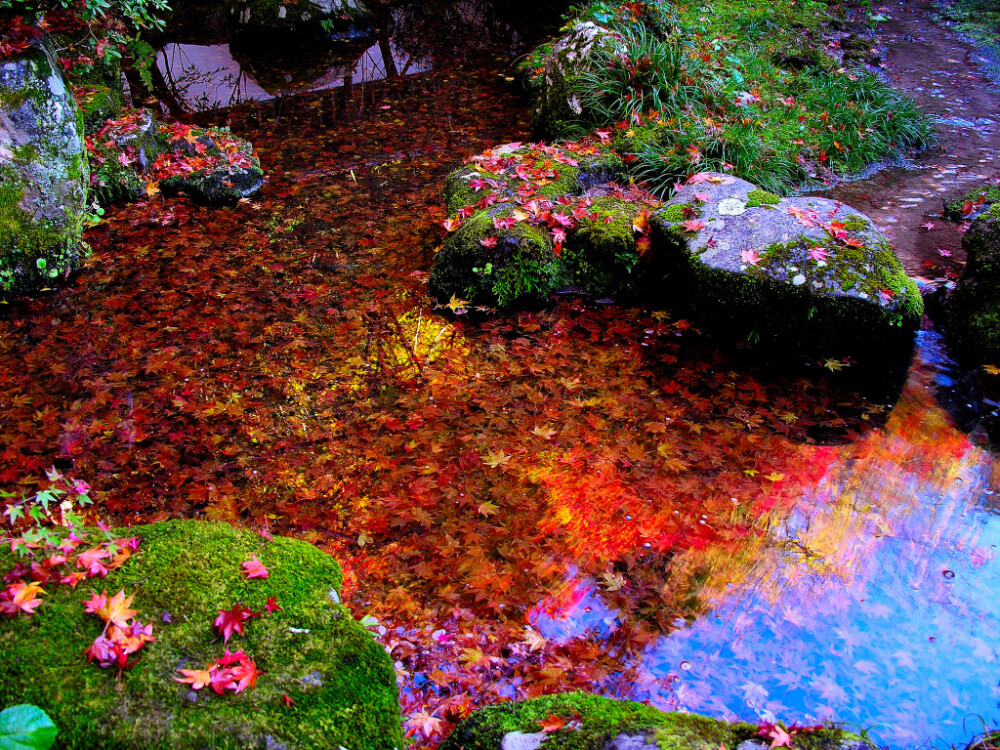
point(944, 74)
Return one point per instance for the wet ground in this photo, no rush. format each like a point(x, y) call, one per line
point(949, 78)
point(580, 497)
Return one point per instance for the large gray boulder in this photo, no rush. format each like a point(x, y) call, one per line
point(43, 175)
point(973, 308)
point(782, 269)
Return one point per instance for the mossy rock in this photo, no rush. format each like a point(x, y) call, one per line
point(578, 173)
point(519, 270)
point(795, 273)
point(341, 681)
point(134, 151)
point(973, 308)
point(601, 256)
point(596, 723)
point(43, 174)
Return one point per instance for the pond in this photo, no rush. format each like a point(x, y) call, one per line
point(587, 496)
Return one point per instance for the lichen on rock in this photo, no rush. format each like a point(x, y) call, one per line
point(341, 681)
point(43, 174)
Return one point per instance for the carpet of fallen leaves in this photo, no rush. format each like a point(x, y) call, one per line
point(278, 364)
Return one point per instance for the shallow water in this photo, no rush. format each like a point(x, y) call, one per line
point(873, 605)
point(582, 497)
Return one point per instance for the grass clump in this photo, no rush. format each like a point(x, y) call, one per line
point(709, 87)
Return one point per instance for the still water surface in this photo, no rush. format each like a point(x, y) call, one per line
point(874, 602)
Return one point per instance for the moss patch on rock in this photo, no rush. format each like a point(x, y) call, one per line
point(312, 650)
point(43, 175)
point(973, 203)
point(593, 723)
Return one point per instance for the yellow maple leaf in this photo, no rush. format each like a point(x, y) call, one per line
point(991, 369)
point(544, 432)
point(153, 188)
point(456, 305)
point(496, 458)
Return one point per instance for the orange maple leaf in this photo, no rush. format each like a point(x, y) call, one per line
point(114, 611)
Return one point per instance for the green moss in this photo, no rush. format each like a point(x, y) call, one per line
point(600, 255)
point(340, 679)
point(519, 270)
point(761, 198)
point(602, 719)
point(32, 251)
point(675, 212)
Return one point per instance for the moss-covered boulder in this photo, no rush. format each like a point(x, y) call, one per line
point(783, 271)
point(973, 308)
point(135, 154)
point(340, 683)
point(578, 721)
point(43, 174)
point(283, 21)
point(553, 73)
point(525, 221)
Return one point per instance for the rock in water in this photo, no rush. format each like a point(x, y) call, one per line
point(43, 175)
point(786, 271)
point(973, 308)
point(590, 722)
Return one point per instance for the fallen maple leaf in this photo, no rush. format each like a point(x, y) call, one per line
point(692, 225)
point(929, 225)
point(254, 568)
point(552, 723)
point(545, 432)
point(496, 458)
point(777, 734)
point(272, 605)
point(231, 621)
point(20, 596)
point(197, 678)
point(426, 723)
point(114, 611)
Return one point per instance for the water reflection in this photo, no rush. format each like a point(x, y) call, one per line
point(206, 77)
point(200, 71)
point(874, 603)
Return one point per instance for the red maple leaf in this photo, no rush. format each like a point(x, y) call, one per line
point(254, 568)
point(231, 621)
